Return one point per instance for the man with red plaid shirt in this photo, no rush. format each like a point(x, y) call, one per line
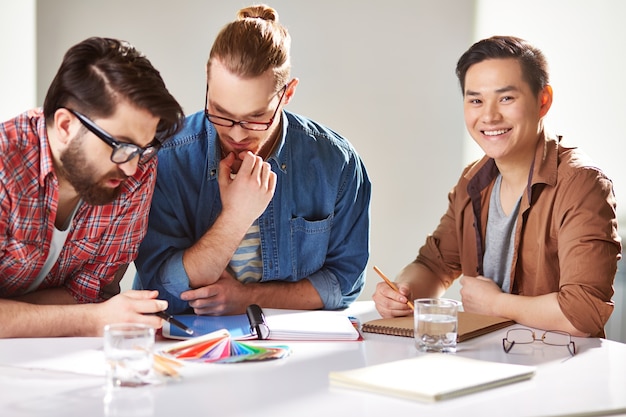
point(76, 182)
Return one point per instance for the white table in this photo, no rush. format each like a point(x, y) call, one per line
point(296, 386)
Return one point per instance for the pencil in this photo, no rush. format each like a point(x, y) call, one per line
point(392, 285)
point(169, 318)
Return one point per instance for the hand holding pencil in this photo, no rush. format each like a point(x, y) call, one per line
point(392, 285)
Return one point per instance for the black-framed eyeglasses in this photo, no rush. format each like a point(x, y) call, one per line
point(226, 122)
point(519, 336)
point(122, 152)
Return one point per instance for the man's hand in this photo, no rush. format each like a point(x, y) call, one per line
point(226, 296)
point(389, 302)
point(478, 295)
point(246, 196)
point(130, 307)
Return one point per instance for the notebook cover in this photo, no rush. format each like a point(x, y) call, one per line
point(431, 377)
point(238, 326)
point(470, 325)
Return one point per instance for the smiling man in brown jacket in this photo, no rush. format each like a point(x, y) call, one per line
point(531, 227)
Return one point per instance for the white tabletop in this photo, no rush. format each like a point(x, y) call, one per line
point(594, 379)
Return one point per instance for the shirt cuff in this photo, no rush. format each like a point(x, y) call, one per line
point(173, 276)
point(327, 286)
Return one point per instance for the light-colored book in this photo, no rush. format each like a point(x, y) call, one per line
point(431, 377)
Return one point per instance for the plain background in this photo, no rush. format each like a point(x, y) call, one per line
point(380, 73)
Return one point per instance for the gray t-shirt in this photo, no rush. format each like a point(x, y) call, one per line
point(500, 240)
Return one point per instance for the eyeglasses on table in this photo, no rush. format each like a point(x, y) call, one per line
point(521, 336)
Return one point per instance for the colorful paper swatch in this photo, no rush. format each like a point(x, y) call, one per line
point(220, 347)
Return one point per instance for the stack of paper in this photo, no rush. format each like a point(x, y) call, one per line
point(431, 377)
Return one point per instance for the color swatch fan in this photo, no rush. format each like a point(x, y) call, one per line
point(220, 347)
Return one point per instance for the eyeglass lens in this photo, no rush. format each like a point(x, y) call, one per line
point(127, 151)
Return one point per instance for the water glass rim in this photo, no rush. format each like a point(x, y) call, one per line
point(437, 301)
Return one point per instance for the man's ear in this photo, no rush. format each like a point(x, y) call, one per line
point(545, 97)
point(64, 126)
point(291, 89)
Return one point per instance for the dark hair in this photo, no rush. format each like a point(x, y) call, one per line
point(531, 59)
point(253, 44)
point(97, 73)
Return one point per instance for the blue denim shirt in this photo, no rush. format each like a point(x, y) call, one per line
point(315, 227)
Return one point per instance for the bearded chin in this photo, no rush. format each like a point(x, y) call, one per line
point(79, 174)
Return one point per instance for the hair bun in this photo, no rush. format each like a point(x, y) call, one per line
point(260, 11)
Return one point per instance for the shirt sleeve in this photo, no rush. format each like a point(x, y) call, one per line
point(589, 248)
point(160, 259)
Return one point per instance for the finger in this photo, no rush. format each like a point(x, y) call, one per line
point(405, 292)
point(152, 321)
point(201, 303)
point(248, 161)
point(266, 176)
point(198, 293)
point(141, 294)
point(271, 183)
point(149, 306)
point(225, 168)
point(258, 167)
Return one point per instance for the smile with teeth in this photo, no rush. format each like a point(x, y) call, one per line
point(495, 132)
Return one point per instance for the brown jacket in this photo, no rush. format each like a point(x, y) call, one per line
point(566, 238)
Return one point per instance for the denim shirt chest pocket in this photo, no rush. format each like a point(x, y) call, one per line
point(309, 240)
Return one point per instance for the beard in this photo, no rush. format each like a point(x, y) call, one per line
point(81, 176)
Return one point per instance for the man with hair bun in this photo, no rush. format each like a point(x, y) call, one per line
point(255, 204)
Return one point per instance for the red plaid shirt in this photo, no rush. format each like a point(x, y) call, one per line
point(101, 238)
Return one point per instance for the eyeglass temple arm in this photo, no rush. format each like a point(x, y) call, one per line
point(504, 342)
point(571, 346)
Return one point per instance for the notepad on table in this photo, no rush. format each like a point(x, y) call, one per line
point(470, 325)
point(301, 325)
point(431, 377)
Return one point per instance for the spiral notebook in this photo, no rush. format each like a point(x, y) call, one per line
point(470, 325)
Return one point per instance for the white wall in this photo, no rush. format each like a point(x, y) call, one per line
point(17, 59)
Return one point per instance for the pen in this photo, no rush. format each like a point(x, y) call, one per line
point(169, 318)
point(392, 285)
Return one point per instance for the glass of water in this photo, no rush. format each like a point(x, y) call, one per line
point(436, 323)
point(128, 354)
